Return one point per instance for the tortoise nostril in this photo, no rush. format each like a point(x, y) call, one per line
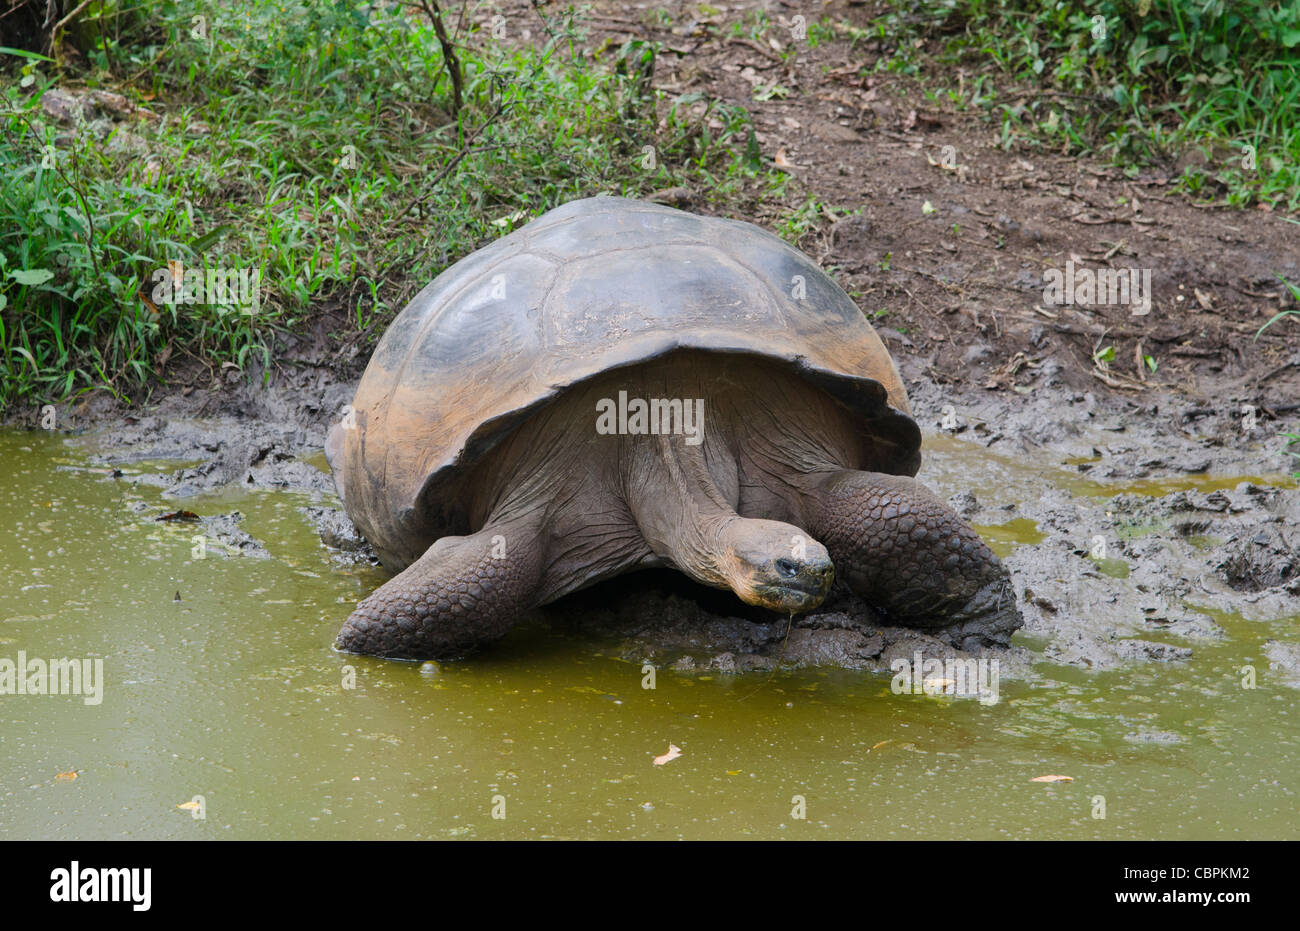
point(787, 568)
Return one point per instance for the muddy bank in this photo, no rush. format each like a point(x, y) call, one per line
point(1128, 524)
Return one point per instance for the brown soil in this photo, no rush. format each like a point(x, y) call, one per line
point(963, 289)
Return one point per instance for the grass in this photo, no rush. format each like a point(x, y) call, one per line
point(1293, 439)
point(1209, 88)
point(1282, 315)
point(320, 146)
point(316, 145)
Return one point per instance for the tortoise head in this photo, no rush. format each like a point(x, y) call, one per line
point(774, 565)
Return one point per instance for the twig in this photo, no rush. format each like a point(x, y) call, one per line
point(446, 169)
point(751, 43)
point(449, 56)
point(67, 19)
point(546, 23)
point(81, 199)
point(1116, 380)
point(1293, 363)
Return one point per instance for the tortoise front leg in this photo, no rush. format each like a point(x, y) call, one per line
point(904, 550)
point(464, 592)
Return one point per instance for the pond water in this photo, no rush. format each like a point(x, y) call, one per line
point(219, 682)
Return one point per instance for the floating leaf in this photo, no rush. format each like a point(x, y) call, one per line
point(191, 805)
point(673, 753)
point(1052, 779)
point(66, 777)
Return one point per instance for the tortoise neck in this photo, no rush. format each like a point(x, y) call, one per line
point(683, 514)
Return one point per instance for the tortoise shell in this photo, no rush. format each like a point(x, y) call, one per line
point(588, 287)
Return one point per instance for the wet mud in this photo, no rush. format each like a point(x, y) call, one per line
point(1128, 527)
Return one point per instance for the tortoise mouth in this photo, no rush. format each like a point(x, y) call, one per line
point(803, 592)
point(787, 600)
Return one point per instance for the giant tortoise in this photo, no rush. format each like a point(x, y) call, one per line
point(619, 385)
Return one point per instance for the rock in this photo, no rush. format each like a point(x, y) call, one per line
point(976, 352)
point(1255, 560)
point(64, 107)
point(1153, 652)
point(827, 131)
point(1285, 661)
point(965, 504)
point(230, 538)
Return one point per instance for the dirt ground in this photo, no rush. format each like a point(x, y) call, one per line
point(985, 360)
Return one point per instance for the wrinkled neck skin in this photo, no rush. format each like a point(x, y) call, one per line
point(689, 499)
point(686, 519)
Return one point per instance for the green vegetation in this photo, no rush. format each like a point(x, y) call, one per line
point(325, 147)
point(1283, 314)
point(1209, 86)
point(317, 144)
point(1292, 439)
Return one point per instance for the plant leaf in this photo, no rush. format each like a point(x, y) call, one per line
point(31, 276)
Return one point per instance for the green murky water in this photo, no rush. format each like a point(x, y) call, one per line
point(232, 693)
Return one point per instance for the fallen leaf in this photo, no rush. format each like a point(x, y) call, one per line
point(783, 162)
point(191, 805)
point(1052, 779)
point(673, 753)
point(510, 220)
point(66, 777)
point(882, 743)
point(733, 772)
